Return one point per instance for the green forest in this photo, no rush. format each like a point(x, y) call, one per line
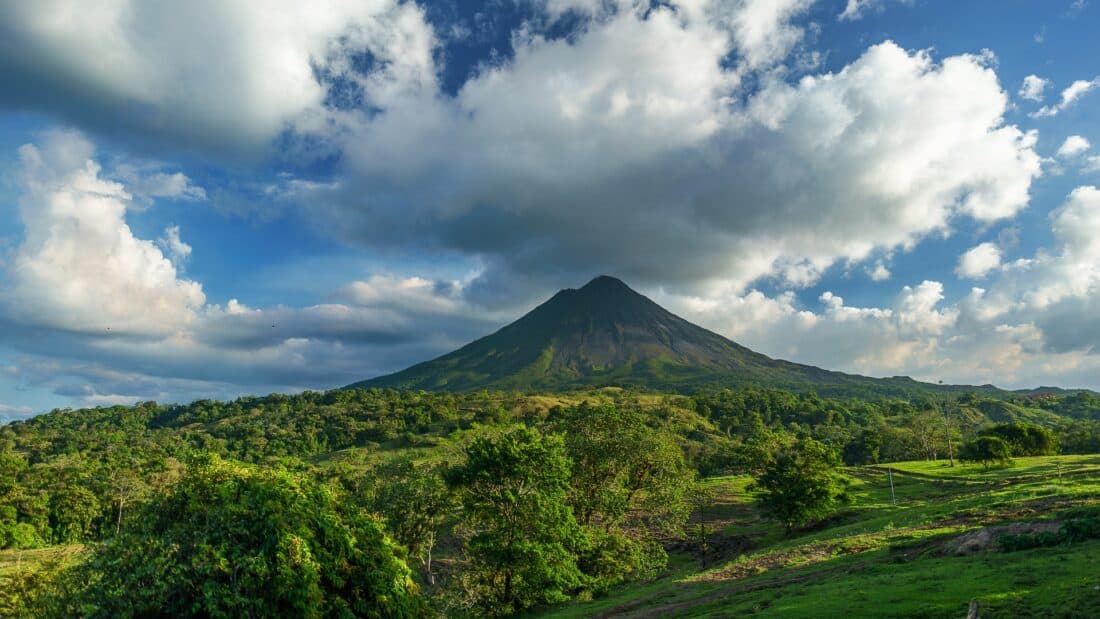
point(382, 503)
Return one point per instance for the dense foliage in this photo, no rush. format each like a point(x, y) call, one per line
point(522, 533)
point(987, 450)
point(597, 485)
point(800, 484)
point(232, 541)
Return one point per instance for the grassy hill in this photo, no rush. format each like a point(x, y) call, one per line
point(876, 559)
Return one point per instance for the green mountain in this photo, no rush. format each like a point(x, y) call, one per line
point(606, 334)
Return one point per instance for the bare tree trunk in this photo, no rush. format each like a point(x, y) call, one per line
point(973, 612)
point(428, 561)
point(947, 436)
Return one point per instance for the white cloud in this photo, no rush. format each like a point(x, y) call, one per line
point(1070, 269)
point(103, 316)
point(408, 293)
point(1033, 87)
point(879, 273)
point(1073, 146)
point(978, 261)
point(762, 29)
point(919, 334)
point(177, 250)
point(858, 9)
point(560, 157)
point(210, 72)
point(148, 182)
point(1070, 95)
point(80, 267)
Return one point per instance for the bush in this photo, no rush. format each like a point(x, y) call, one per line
point(1013, 543)
point(1080, 529)
point(1072, 531)
point(1025, 439)
point(231, 540)
point(987, 450)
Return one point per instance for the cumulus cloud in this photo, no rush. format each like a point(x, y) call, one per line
point(1073, 146)
point(1035, 323)
point(978, 261)
point(879, 273)
point(1057, 289)
point(103, 316)
point(178, 251)
point(1033, 87)
point(1070, 95)
point(206, 73)
point(80, 267)
point(560, 164)
point(918, 334)
point(665, 143)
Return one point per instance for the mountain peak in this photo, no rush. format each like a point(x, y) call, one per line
point(607, 282)
point(605, 333)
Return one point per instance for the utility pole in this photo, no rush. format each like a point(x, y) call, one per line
point(890, 475)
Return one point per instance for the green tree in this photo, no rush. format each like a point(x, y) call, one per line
point(415, 502)
point(801, 484)
point(630, 484)
point(234, 541)
point(73, 509)
point(864, 448)
point(1025, 439)
point(523, 534)
point(987, 450)
point(625, 473)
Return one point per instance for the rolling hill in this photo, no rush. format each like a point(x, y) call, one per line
point(606, 334)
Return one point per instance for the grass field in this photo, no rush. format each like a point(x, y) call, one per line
point(876, 559)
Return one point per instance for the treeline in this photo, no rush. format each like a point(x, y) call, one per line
point(72, 475)
point(482, 503)
point(529, 517)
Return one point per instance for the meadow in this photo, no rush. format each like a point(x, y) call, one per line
point(878, 559)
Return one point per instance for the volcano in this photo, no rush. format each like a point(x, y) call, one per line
point(606, 334)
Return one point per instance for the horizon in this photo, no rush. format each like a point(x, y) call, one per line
point(209, 202)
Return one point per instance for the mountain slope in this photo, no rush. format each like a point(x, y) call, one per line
point(606, 334)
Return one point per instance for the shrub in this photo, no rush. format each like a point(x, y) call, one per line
point(987, 450)
point(231, 540)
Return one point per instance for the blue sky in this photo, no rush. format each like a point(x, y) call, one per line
point(222, 198)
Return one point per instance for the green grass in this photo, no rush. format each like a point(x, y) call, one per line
point(875, 559)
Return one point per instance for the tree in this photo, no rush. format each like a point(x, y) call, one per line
point(523, 535)
point(864, 448)
point(625, 472)
point(73, 509)
point(231, 540)
point(1025, 439)
point(414, 500)
point(800, 484)
point(987, 450)
point(629, 483)
point(927, 430)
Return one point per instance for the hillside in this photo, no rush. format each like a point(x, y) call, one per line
point(70, 478)
point(930, 555)
point(606, 334)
